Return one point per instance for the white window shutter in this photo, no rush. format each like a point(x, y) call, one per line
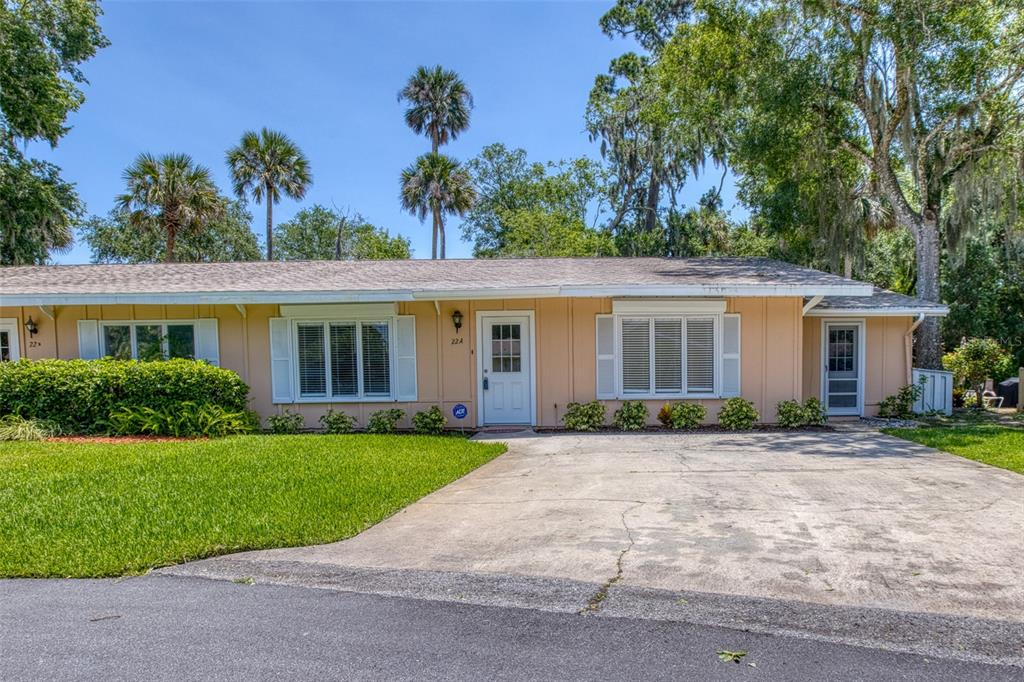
point(730, 356)
point(207, 341)
point(88, 339)
point(281, 390)
point(605, 356)
point(405, 358)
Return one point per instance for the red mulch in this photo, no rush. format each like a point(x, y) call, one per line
point(117, 439)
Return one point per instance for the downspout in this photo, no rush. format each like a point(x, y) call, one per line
point(908, 346)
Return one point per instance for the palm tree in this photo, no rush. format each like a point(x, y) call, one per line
point(438, 185)
point(170, 193)
point(439, 104)
point(267, 164)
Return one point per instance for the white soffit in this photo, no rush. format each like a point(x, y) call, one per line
point(666, 307)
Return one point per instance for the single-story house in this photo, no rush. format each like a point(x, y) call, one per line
point(493, 342)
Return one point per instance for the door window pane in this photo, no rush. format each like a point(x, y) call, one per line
point(117, 341)
point(841, 350)
point(312, 363)
point(181, 341)
point(506, 348)
point(376, 363)
point(344, 379)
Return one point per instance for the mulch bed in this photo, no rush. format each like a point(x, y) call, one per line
point(118, 439)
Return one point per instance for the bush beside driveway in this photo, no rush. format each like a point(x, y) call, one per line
point(99, 509)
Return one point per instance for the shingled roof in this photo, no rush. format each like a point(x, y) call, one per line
point(396, 280)
point(880, 302)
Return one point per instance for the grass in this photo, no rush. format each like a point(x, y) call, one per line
point(92, 510)
point(999, 446)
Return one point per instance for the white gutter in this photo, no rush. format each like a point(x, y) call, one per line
point(878, 312)
point(391, 295)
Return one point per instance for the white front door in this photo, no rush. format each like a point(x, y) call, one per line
point(506, 372)
point(843, 372)
point(9, 350)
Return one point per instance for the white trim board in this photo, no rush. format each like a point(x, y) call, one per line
point(453, 294)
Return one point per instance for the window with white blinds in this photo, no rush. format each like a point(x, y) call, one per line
point(700, 355)
point(347, 360)
point(665, 356)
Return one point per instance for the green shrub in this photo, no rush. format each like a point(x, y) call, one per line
point(632, 416)
point(183, 420)
point(791, 414)
point(337, 422)
point(429, 422)
point(286, 422)
point(584, 416)
point(13, 427)
point(80, 395)
point(738, 414)
point(384, 421)
point(686, 416)
point(900, 405)
point(814, 412)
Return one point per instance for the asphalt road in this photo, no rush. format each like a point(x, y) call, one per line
point(173, 628)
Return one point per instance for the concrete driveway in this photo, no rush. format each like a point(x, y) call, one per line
point(854, 519)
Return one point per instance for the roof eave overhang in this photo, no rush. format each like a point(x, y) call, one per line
point(877, 312)
point(293, 297)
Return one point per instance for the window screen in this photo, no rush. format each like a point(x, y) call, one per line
point(376, 363)
point(344, 379)
point(312, 363)
point(636, 356)
point(700, 355)
point(668, 356)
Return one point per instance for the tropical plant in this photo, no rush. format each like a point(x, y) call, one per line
point(186, 419)
point(437, 185)
point(901, 404)
point(228, 237)
point(438, 104)
point(584, 416)
point(791, 414)
point(738, 414)
point(16, 427)
point(337, 422)
point(170, 194)
point(631, 416)
point(429, 422)
point(319, 233)
point(265, 165)
point(286, 422)
point(974, 361)
point(384, 421)
point(686, 416)
point(814, 412)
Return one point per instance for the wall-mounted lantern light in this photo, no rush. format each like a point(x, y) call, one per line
point(31, 326)
point(457, 320)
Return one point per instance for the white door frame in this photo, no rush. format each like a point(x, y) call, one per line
point(531, 335)
point(861, 325)
point(10, 325)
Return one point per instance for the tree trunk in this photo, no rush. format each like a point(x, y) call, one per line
point(337, 240)
point(651, 205)
point(926, 253)
point(270, 224)
point(440, 232)
point(171, 231)
point(435, 212)
point(847, 266)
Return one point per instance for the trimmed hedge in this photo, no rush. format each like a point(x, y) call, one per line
point(80, 395)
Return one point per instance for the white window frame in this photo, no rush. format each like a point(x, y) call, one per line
point(652, 394)
point(131, 324)
point(361, 396)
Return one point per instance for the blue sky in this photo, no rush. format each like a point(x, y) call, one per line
point(191, 76)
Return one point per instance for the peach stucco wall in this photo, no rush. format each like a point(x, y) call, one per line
point(780, 351)
point(885, 355)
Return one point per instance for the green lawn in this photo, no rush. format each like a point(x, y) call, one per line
point(90, 509)
point(1000, 446)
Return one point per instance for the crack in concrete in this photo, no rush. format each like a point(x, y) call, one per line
point(594, 603)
